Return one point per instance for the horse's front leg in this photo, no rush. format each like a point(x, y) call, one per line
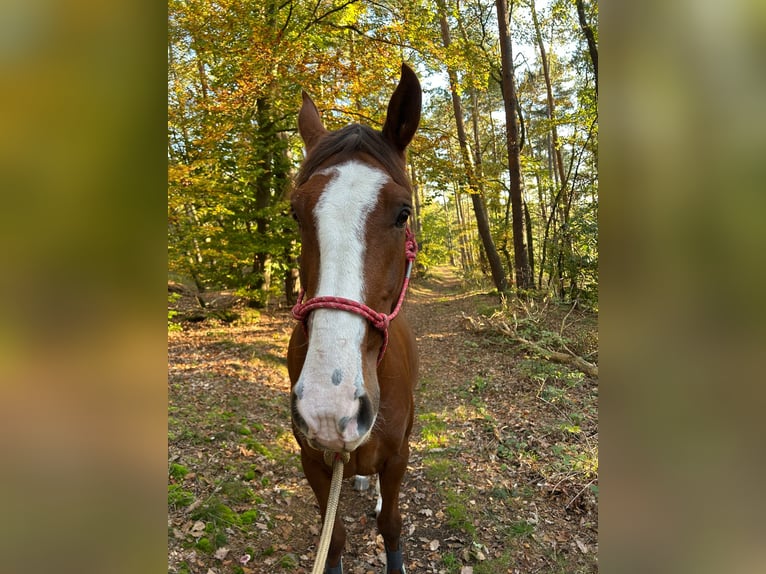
point(319, 476)
point(389, 519)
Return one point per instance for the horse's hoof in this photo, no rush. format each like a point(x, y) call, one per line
point(334, 569)
point(395, 561)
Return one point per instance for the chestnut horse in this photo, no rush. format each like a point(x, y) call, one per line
point(352, 358)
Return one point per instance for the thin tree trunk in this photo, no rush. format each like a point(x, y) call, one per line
point(477, 157)
point(530, 249)
point(417, 220)
point(549, 96)
point(521, 264)
point(590, 38)
point(450, 240)
point(558, 161)
point(479, 208)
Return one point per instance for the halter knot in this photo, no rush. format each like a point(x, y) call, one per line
point(380, 321)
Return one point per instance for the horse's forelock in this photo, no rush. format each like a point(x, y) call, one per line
point(348, 143)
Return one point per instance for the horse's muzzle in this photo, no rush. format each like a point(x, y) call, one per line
point(327, 430)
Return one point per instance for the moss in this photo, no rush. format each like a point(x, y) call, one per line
point(204, 544)
point(249, 516)
point(237, 491)
point(214, 511)
point(288, 561)
point(178, 497)
point(178, 471)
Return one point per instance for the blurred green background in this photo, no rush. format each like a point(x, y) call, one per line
point(683, 135)
point(82, 294)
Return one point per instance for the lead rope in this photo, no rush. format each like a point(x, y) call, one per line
point(337, 460)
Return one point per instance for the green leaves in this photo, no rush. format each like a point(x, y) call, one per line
point(235, 72)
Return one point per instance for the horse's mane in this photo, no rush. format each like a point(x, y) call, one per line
point(347, 142)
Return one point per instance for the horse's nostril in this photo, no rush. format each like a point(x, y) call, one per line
point(298, 420)
point(365, 416)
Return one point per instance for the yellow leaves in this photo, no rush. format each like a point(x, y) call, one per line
point(350, 14)
point(179, 173)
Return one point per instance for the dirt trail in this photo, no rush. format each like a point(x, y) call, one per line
point(494, 474)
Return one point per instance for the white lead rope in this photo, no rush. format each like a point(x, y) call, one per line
point(336, 460)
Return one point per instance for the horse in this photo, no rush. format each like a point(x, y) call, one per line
point(352, 358)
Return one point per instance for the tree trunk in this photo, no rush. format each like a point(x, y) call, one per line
point(262, 190)
point(530, 248)
point(477, 157)
point(291, 280)
point(480, 211)
point(450, 241)
point(590, 38)
point(559, 162)
point(521, 264)
point(417, 220)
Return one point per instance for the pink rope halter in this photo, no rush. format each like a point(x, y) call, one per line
point(380, 321)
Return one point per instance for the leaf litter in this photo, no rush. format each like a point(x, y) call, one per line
point(496, 482)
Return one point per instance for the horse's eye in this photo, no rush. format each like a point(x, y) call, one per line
point(293, 213)
point(404, 214)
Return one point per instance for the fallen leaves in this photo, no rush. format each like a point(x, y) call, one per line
point(197, 529)
point(244, 451)
point(221, 553)
point(225, 379)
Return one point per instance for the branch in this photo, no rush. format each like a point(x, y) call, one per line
point(368, 119)
point(568, 358)
point(374, 38)
point(328, 13)
point(287, 21)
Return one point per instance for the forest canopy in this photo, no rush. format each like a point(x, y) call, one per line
point(504, 165)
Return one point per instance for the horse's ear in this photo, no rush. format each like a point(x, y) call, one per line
point(403, 114)
point(309, 123)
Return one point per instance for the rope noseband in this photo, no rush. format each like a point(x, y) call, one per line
point(378, 320)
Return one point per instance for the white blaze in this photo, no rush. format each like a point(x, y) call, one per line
point(332, 373)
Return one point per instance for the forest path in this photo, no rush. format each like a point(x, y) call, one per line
point(488, 486)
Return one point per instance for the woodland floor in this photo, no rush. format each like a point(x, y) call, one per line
point(504, 464)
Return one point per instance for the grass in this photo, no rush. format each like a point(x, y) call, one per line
point(288, 562)
point(220, 518)
point(451, 563)
point(500, 564)
point(258, 448)
point(204, 545)
point(173, 325)
point(441, 470)
point(433, 431)
point(459, 516)
point(437, 468)
point(521, 529)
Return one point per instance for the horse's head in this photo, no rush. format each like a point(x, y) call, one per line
point(352, 200)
